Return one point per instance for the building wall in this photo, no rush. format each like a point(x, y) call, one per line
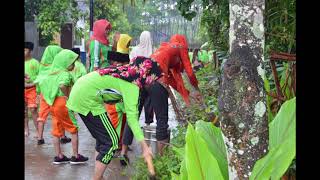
point(31, 34)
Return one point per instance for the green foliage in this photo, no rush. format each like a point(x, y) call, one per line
point(208, 84)
point(164, 166)
point(113, 13)
point(207, 139)
point(282, 146)
point(214, 140)
point(184, 6)
point(169, 164)
point(286, 80)
point(53, 14)
point(204, 156)
point(215, 24)
point(214, 20)
point(178, 134)
point(283, 127)
point(50, 16)
point(268, 100)
point(283, 69)
point(31, 9)
point(200, 162)
point(281, 25)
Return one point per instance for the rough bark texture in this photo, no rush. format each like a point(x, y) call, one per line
point(241, 97)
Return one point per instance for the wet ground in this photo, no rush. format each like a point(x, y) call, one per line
point(38, 159)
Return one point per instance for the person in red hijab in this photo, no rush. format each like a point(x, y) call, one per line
point(173, 59)
point(98, 45)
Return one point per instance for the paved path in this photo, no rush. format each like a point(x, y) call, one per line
point(38, 159)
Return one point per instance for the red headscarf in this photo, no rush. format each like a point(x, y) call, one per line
point(181, 39)
point(99, 31)
point(167, 55)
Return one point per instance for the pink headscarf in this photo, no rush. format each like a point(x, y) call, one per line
point(99, 31)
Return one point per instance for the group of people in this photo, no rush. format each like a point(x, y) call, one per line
point(108, 94)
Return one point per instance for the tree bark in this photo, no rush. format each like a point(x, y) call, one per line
point(241, 101)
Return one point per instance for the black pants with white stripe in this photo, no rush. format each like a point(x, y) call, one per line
point(101, 129)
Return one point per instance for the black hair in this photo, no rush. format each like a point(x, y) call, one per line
point(119, 57)
point(28, 45)
point(76, 50)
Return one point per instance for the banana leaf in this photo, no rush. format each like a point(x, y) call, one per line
point(282, 144)
point(284, 124)
point(200, 163)
point(213, 138)
point(276, 163)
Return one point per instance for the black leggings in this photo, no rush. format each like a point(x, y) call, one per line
point(101, 129)
point(148, 109)
point(158, 96)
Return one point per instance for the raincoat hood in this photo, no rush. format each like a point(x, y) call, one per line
point(49, 83)
point(63, 60)
point(99, 31)
point(49, 54)
point(181, 39)
point(122, 43)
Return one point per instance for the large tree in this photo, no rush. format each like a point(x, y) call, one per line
point(242, 98)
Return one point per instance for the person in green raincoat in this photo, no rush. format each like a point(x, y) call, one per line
point(45, 64)
point(55, 88)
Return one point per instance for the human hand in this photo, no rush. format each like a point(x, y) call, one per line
point(196, 95)
point(147, 154)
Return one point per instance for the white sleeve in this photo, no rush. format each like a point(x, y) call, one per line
point(96, 54)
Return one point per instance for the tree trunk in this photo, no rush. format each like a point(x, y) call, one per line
point(241, 97)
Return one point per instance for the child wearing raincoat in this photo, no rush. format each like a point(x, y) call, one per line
point(45, 64)
point(55, 88)
point(116, 111)
point(111, 85)
point(31, 69)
